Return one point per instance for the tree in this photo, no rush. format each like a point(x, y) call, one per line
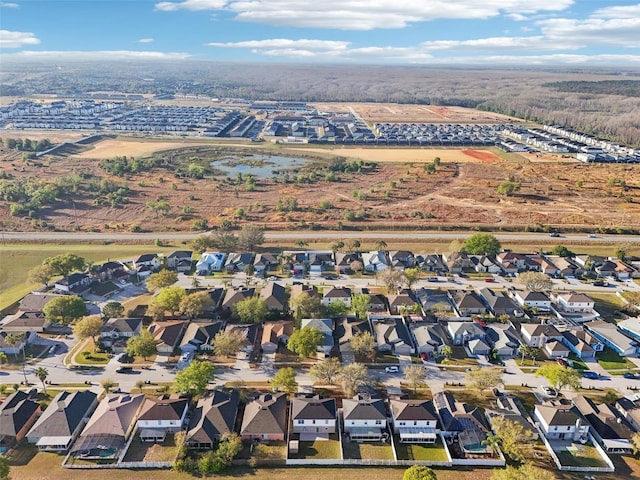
point(524, 472)
point(284, 380)
point(559, 376)
point(249, 270)
point(194, 304)
point(304, 341)
point(306, 306)
point(635, 442)
point(380, 245)
point(88, 327)
point(562, 251)
point(143, 345)
point(524, 350)
point(41, 274)
point(107, 384)
point(391, 278)
point(363, 343)
point(535, 281)
point(65, 263)
point(42, 373)
point(250, 310)
point(483, 378)
point(354, 245)
point(513, 437)
point(194, 379)
point(161, 279)
point(225, 240)
point(337, 308)
point(326, 371)
point(203, 243)
point(356, 266)
point(447, 351)
point(339, 245)
point(360, 305)
point(3, 358)
point(353, 376)
point(249, 237)
point(411, 276)
point(112, 310)
point(482, 244)
point(168, 299)
point(492, 441)
point(508, 188)
point(415, 375)
point(229, 342)
point(65, 309)
point(419, 472)
point(5, 468)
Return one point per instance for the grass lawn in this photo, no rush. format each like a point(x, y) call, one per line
point(151, 452)
point(409, 451)
point(367, 451)
point(582, 456)
point(607, 304)
point(610, 360)
point(320, 449)
point(85, 355)
point(271, 451)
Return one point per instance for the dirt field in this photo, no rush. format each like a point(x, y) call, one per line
point(133, 147)
point(409, 155)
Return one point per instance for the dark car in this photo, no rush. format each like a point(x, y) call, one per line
point(630, 375)
point(125, 370)
point(591, 375)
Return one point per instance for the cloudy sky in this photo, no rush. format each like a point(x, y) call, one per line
point(433, 32)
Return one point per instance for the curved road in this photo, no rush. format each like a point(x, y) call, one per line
point(11, 237)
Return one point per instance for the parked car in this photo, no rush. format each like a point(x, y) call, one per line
point(630, 375)
point(488, 280)
point(590, 374)
point(424, 356)
point(273, 278)
point(391, 369)
point(185, 357)
point(551, 392)
point(432, 279)
point(124, 370)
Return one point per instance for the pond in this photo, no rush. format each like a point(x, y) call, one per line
point(260, 166)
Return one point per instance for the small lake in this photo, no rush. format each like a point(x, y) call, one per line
point(260, 166)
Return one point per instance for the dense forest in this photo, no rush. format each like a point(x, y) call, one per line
point(601, 102)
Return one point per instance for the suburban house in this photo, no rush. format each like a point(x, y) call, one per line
point(62, 421)
point(198, 336)
point(146, 264)
point(180, 260)
point(612, 337)
point(11, 349)
point(274, 295)
point(500, 304)
point(168, 334)
point(401, 259)
point(263, 262)
point(504, 339)
point(344, 261)
point(365, 418)
point(484, 264)
point(462, 421)
point(346, 328)
point(375, 261)
point(235, 295)
point(538, 334)
point(434, 301)
point(556, 349)
point(582, 343)
point(21, 322)
point(17, 414)
point(631, 327)
point(464, 332)
point(377, 302)
point(608, 426)
point(574, 303)
point(630, 410)
point(325, 326)
point(335, 294)
point(215, 414)
point(236, 262)
point(511, 408)
point(319, 261)
point(466, 303)
point(162, 415)
point(35, 302)
point(303, 289)
point(565, 266)
point(561, 422)
point(391, 334)
point(430, 338)
point(109, 270)
point(210, 262)
point(265, 418)
point(275, 333)
point(538, 300)
point(511, 261)
point(75, 283)
point(116, 332)
point(313, 416)
point(109, 427)
point(456, 262)
point(431, 263)
point(415, 421)
point(402, 304)
point(249, 333)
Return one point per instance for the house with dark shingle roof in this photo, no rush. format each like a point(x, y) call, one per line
point(168, 334)
point(461, 420)
point(198, 336)
point(180, 260)
point(466, 303)
point(274, 295)
point(365, 417)
point(582, 343)
point(162, 415)
point(335, 294)
point(561, 422)
point(511, 408)
point(391, 334)
point(313, 414)
point(608, 426)
point(116, 332)
point(214, 415)
point(500, 304)
point(235, 295)
point(275, 333)
point(62, 421)
point(22, 321)
point(17, 414)
point(415, 421)
point(538, 334)
point(265, 418)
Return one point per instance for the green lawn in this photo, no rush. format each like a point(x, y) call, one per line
point(152, 452)
point(320, 449)
point(610, 360)
point(607, 304)
point(87, 356)
point(582, 456)
point(367, 451)
point(410, 451)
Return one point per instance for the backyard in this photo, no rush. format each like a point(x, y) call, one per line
point(577, 455)
point(140, 451)
point(318, 450)
point(428, 453)
point(367, 451)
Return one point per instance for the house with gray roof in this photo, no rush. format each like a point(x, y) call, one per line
point(608, 426)
point(431, 263)
point(263, 262)
point(538, 300)
point(500, 304)
point(62, 421)
point(365, 417)
point(215, 414)
point(511, 409)
point(464, 332)
point(162, 415)
point(325, 326)
point(17, 414)
point(274, 295)
point(561, 422)
point(415, 421)
point(265, 418)
point(391, 334)
point(180, 260)
point(462, 421)
point(466, 303)
point(198, 336)
point(313, 416)
point(582, 343)
point(538, 334)
point(613, 337)
point(430, 338)
point(504, 339)
point(236, 262)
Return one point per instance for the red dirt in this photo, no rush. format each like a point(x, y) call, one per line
point(482, 155)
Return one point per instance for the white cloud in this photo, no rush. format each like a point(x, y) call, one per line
point(100, 55)
point(360, 14)
point(146, 40)
point(9, 5)
point(613, 31)
point(282, 43)
point(10, 39)
point(627, 11)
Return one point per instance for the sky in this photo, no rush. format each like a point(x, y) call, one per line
point(429, 32)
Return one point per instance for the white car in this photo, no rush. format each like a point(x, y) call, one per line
point(391, 369)
point(551, 392)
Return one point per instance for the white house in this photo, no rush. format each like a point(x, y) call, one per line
point(561, 422)
point(162, 415)
point(335, 294)
point(312, 414)
point(415, 421)
point(365, 418)
point(538, 300)
point(538, 334)
point(375, 261)
point(210, 262)
point(574, 303)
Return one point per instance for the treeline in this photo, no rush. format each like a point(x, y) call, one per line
point(26, 145)
point(627, 88)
